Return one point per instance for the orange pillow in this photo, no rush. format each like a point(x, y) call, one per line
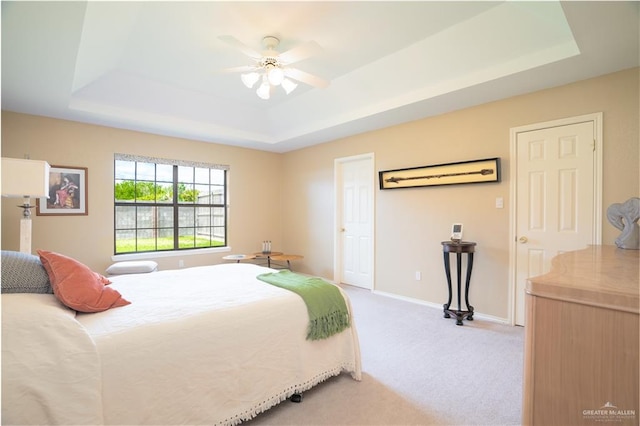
point(104, 280)
point(77, 286)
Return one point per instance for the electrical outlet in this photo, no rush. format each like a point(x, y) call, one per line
point(180, 263)
point(418, 275)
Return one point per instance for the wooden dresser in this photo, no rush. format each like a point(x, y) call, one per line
point(582, 338)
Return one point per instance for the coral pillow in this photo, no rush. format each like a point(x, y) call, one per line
point(77, 286)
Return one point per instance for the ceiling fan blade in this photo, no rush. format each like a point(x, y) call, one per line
point(234, 42)
point(300, 52)
point(244, 68)
point(305, 77)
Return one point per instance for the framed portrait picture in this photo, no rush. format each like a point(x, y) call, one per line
point(67, 192)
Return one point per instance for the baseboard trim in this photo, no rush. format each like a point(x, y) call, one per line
point(476, 314)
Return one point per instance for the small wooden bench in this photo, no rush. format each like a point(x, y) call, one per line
point(271, 258)
point(286, 258)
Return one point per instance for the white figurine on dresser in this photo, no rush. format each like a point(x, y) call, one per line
point(624, 216)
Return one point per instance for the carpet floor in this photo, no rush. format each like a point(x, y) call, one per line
point(418, 369)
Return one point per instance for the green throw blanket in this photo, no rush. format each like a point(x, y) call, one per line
point(327, 309)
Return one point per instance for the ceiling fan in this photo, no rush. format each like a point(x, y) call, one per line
point(273, 67)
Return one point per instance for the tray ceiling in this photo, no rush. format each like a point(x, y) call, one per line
point(154, 66)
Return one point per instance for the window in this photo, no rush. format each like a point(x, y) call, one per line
point(168, 205)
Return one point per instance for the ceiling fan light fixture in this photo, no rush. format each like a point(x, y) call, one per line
point(275, 75)
point(272, 66)
point(264, 90)
point(250, 79)
point(288, 85)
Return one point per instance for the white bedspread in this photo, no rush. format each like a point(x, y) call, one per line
point(208, 345)
point(50, 366)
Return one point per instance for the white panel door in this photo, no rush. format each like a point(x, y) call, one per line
point(554, 200)
point(357, 223)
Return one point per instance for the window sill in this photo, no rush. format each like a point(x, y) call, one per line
point(157, 254)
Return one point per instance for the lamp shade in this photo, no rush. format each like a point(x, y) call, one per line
point(288, 85)
point(25, 178)
point(275, 75)
point(264, 91)
point(250, 79)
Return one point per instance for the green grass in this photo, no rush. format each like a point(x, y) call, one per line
point(149, 244)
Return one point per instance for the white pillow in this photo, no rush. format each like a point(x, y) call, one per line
point(132, 267)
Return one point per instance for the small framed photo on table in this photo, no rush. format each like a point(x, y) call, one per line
point(67, 193)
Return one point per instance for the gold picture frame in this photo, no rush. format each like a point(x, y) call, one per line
point(474, 171)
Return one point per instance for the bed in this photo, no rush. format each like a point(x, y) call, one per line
point(202, 345)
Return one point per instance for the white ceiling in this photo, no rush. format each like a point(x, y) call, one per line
point(154, 66)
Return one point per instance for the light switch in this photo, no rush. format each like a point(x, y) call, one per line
point(499, 203)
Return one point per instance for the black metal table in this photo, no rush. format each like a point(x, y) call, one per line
point(458, 248)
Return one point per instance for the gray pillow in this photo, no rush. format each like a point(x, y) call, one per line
point(23, 273)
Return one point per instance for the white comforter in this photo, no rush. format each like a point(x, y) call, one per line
point(50, 366)
point(205, 345)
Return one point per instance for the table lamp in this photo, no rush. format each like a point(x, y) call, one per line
point(27, 179)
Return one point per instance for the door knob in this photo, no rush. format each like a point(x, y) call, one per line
point(523, 240)
point(342, 229)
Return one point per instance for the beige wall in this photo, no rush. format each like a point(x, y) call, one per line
point(289, 198)
point(411, 223)
point(255, 197)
